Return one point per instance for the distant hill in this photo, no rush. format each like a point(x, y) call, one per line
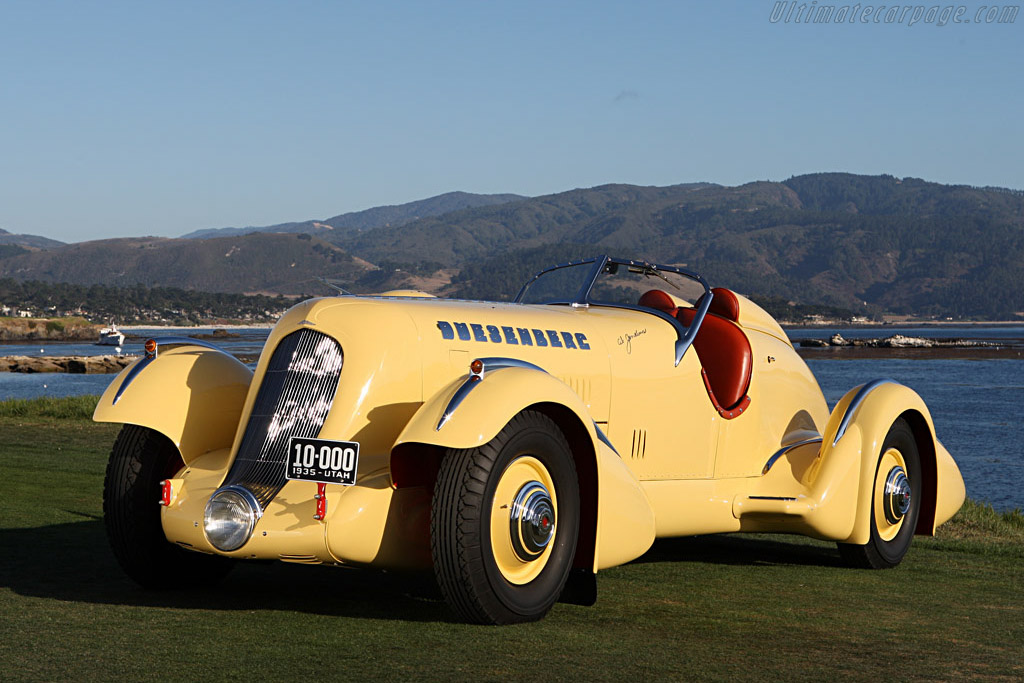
point(285, 264)
point(905, 246)
point(30, 241)
point(862, 243)
point(381, 216)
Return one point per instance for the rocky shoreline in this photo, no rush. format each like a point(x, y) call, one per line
point(77, 365)
point(897, 341)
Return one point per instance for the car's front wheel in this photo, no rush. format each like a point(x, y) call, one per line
point(895, 502)
point(504, 523)
point(140, 460)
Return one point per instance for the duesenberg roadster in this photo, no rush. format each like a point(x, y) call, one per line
point(515, 448)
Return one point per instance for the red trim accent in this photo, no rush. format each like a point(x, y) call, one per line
point(735, 411)
point(165, 492)
point(321, 501)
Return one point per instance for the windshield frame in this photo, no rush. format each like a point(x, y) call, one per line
point(601, 264)
point(580, 298)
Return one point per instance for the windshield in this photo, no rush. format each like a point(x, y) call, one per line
point(619, 283)
point(663, 289)
point(624, 285)
point(560, 284)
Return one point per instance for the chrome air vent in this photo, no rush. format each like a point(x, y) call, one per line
point(293, 400)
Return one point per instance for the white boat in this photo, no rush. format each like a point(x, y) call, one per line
point(111, 336)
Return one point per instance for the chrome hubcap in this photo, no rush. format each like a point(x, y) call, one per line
point(532, 522)
point(896, 501)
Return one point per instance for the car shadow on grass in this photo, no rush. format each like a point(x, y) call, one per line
point(73, 562)
point(744, 549)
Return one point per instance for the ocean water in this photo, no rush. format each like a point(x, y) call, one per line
point(54, 384)
point(249, 341)
point(974, 407)
point(973, 402)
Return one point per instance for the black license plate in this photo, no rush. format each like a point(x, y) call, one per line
point(322, 460)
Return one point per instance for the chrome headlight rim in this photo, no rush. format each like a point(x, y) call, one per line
point(232, 540)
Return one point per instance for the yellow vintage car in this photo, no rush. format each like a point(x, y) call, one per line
point(514, 448)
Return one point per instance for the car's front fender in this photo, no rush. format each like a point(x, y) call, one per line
point(193, 396)
point(617, 524)
point(468, 413)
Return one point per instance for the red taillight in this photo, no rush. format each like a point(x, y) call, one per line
point(165, 492)
point(476, 367)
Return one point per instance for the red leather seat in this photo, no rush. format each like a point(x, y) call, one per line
point(659, 300)
point(724, 353)
point(723, 303)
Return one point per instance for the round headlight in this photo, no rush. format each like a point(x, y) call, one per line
point(230, 517)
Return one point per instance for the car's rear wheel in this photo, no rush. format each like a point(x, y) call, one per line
point(895, 502)
point(140, 459)
point(504, 523)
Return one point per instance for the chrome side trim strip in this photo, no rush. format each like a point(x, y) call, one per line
point(489, 365)
point(457, 399)
point(605, 440)
point(149, 358)
point(188, 340)
point(130, 377)
point(497, 363)
point(786, 449)
point(855, 403)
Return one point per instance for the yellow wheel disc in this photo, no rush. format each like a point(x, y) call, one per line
point(524, 516)
point(890, 466)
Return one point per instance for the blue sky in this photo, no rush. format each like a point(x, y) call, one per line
point(128, 119)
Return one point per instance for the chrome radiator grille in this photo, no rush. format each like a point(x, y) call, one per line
point(293, 400)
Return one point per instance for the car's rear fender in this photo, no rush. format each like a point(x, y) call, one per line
point(191, 395)
point(865, 414)
point(616, 521)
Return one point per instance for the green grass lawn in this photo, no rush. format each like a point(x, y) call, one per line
point(721, 607)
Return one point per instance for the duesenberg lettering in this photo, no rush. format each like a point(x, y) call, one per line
point(518, 336)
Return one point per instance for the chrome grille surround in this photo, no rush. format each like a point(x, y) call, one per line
point(293, 400)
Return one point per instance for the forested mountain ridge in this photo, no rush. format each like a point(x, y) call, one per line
point(258, 262)
point(28, 242)
point(473, 233)
point(348, 224)
point(863, 243)
point(872, 243)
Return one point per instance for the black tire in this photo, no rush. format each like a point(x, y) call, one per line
point(465, 563)
point(879, 552)
point(140, 459)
